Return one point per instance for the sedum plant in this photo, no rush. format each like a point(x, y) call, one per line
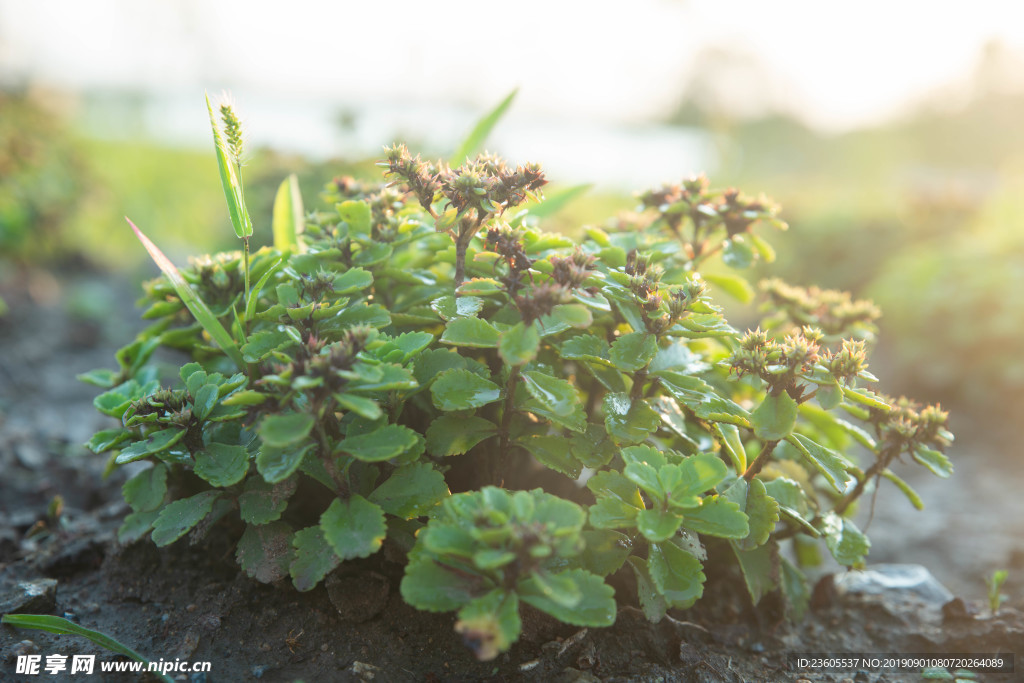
point(425, 335)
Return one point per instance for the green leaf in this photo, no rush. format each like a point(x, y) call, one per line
point(737, 253)
point(354, 528)
point(596, 606)
point(760, 568)
point(552, 451)
point(605, 551)
point(382, 444)
point(907, 490)
point(645, 476)
point(558, 396)
point(191, 300)
point(866, 398)
point(360, 405)
point(612, 513)
point(585, 347)
point(935, 461)
point(429, 586)
point(313, 559)
point(254, 295)
point(476, 138)
point(518, 345)
point(411, 491)
point(490, 624)
point(261, 344)
point(230, 182)
point(676, 574)
point(729, 436)
point(451, 307)
point(615, 485)
point(831, 465)
point(146, 490)
point(472, 332)
point(155, 443)
point(288, 215)
point(764, 250)
point(262, 502)
point(633, 351)
point(222, 464)
point(717, 516)
point(658, 525)
point(265, 552)
point(204, 400)
point(733, 285)
point(563, 317)
point(844, 540)
point(462, 389)
point(176, 518)
point(651, 601)
point(358, 216)
point(761, 509)
point(277, 463)
point(452, 435)
point(699, 473)
point(103, 378)
point(63, 627)
point(775, 418)
point(628, 421)
point(285, 428)
point(795, 587)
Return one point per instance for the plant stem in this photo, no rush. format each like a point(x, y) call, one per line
point(245, 261)
point(761, 460)
point(881, 463)
point(506, 420)
point(461, 246)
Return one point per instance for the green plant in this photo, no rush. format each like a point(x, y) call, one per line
point(425, 335)
point(995, 586)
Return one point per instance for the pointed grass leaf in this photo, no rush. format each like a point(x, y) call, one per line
point(382, 444)
point(313, 558)
point(451, 435)
point(676, 574)
point(519, 344)
point(354, 527)
point(265, 552)
point(222, 464)
point(472, 332)
point(196, 306)
point(254, 295)
point(633, 351)
point(277, 463)
point(61, 626)
point(595, 607)
point(288, 219)
point(285, 429)
point(230, 182)
point(775, 418)
point(411, 491)
point(478, 136)
point(462, 389)
point(176, 518)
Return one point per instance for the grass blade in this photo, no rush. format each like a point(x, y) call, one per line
point(250, 309)
point(476, 138)
point(63, 627)
point(189, 297)
point(288, 215)
point(229, 180)
point(555, 201)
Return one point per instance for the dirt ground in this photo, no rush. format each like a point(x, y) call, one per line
point(191, 602)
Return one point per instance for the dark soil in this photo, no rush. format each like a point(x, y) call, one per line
point(192, 603)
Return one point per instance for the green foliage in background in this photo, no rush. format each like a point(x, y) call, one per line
point(426, 335)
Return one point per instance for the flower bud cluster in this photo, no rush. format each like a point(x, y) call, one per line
point(421, 177)
point(908, 424)
point(836, 313)
point(572, 271)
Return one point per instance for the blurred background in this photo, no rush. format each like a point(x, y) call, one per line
point(891, 134)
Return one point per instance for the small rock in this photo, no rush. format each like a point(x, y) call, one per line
point(366, 672)
point(958, 610)
point(862, 676)
point(81, 554)
point(259, 670)
point(359, 597)
point(25, 647)
point(30, 455)
point(33, 597)
point(880, 579)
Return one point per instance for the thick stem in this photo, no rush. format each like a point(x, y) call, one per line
point(761, 460)
point(504, 443)
point(461, 247)
point(881, 463)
